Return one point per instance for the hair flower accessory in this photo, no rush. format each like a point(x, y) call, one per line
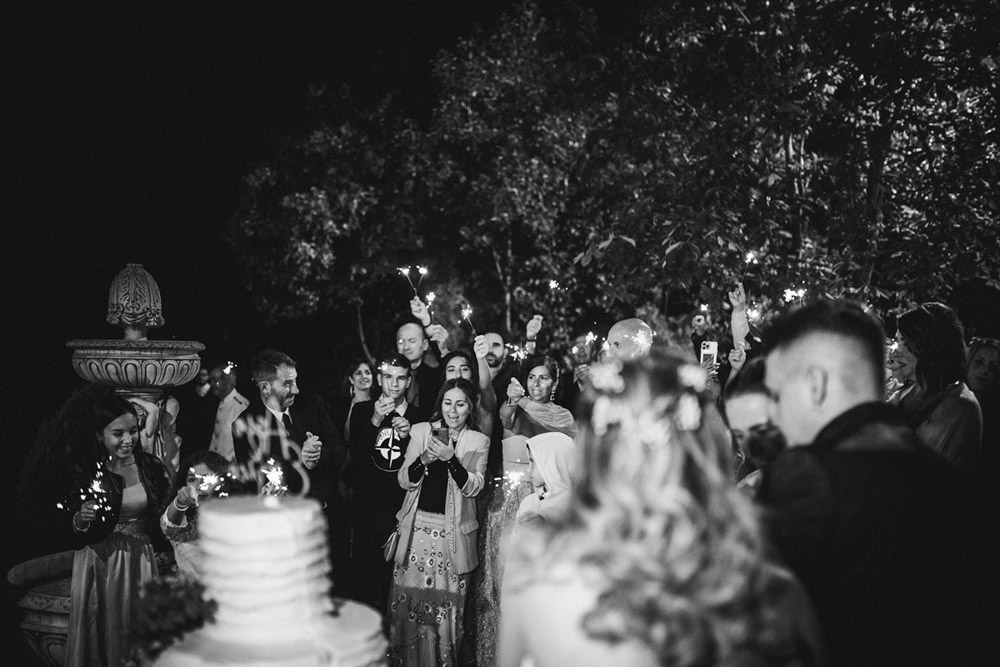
point(693, 377)
point(606, 411)
point(607, 376)
point(687, 415)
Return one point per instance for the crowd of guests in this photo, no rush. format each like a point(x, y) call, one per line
point(825, 495)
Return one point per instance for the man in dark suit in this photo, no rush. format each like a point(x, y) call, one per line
point(295, 429)
point(380, 433)
point(881, 531)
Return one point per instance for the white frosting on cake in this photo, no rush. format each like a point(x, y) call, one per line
point(265, 562)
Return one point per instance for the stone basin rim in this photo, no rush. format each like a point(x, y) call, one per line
point(120, 344)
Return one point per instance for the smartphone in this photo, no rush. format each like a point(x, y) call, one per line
point(440, 432)
point(709, 351)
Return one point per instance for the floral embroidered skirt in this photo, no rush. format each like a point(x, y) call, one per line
point(427, 599)
point(494, 538)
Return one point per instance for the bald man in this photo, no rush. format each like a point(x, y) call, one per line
point(629, 339)
point(863, 512)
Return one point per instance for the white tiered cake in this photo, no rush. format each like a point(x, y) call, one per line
point(264, 561)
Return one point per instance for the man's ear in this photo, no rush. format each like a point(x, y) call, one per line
point(378, 378)
point(264, 387)
point(818, 385)
point(409, 380)
point(425, 345)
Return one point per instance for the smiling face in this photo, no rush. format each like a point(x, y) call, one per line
point(458, 367)
point(120, 436)
point(279, 394)
point(361, 378)
point(539, 384)
point(983, 369)
point(455, 408)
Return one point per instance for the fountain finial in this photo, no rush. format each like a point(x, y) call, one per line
point(134, 302)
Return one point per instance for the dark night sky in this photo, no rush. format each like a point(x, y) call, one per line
point(127, 134)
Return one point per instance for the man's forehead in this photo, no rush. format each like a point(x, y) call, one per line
point(410, 331)
point(394, 371)
point(285, 372)
point(494, 339)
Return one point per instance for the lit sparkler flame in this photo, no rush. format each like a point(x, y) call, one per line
point(430, 298)
point(591, 337)
point(553, 284)
point(703, 307)
point(229, 368)
point(208, 483)
point(794, 294)
point(466, 315)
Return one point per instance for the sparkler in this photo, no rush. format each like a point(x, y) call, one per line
point(209, 483)
point(703, 307)
point(750, 258)
point(430, 302)
point(467, 315)
point(229, 368)
point(94, 491)
point(553, 284)
point(421, 271)
point(794, 294)
point(516, 352)
point(275, 479)
point(753, 313)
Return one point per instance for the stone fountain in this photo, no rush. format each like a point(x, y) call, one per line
point(137, 368)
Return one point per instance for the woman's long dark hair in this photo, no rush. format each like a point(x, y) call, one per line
point(469, 357)
point(935, 335)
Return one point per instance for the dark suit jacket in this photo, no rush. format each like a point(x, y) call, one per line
point(309, 415)
point(884, 536)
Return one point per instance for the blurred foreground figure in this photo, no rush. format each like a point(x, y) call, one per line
point(881, 530)
point(657, 558)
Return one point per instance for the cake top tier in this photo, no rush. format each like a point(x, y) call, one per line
point(244, 520)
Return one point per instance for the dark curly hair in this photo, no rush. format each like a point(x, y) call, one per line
point(65, 441)
point(935, 335)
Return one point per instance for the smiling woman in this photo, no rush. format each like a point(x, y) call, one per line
point(115, 524)
point(442, 473)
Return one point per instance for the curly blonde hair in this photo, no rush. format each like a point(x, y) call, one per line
point(655, 522)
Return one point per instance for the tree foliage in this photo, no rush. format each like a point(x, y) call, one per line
point(852, 146)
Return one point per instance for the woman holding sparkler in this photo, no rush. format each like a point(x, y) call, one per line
point(115, 519)
point(201, 476)
point(442, 473)
point(528, 411)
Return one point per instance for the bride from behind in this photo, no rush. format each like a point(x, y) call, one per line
point(658, 558)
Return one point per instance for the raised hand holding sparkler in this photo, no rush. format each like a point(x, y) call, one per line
point(419, 310)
